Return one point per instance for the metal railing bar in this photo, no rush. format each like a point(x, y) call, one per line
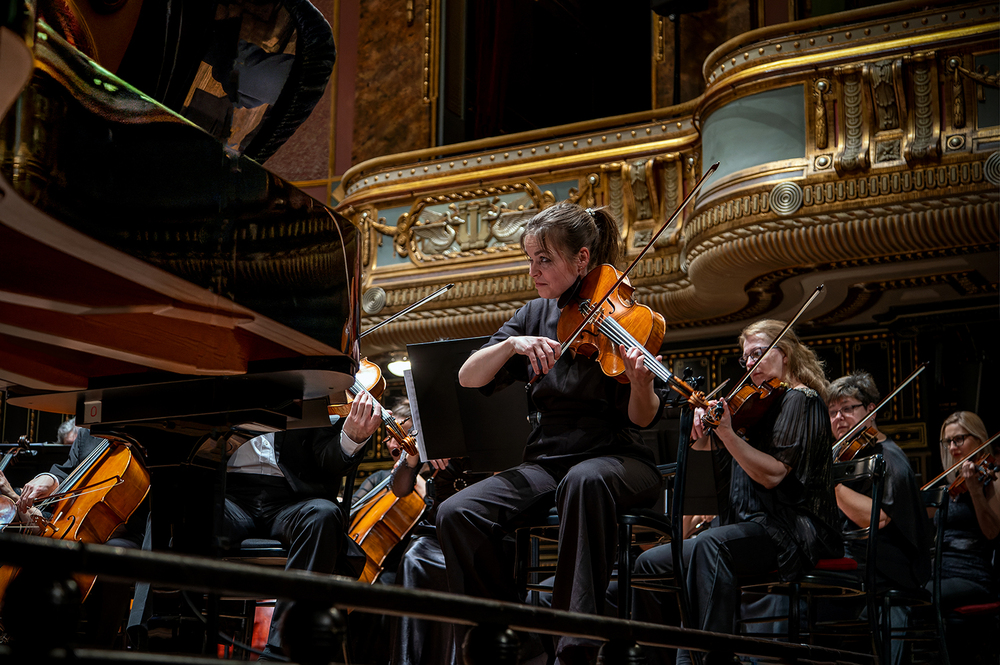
point(199, 573)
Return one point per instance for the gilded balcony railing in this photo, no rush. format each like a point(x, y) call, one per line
point(865, 141)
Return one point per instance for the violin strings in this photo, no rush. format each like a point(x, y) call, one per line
point(617, 334)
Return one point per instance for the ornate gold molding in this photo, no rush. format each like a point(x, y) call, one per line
point(863, 295)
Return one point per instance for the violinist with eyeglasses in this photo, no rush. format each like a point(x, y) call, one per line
point(972, 531)
point(780, 514)
point(904, 539)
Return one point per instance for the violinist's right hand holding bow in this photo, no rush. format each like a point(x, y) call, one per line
point(699, 432)
point(483, 365)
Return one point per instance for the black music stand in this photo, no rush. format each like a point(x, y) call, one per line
point(702, 484)
point(453, 421)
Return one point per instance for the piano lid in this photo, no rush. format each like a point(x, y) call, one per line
point(134, 244)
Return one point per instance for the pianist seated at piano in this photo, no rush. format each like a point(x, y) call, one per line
point(281, 486)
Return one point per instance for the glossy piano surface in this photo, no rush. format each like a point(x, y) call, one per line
point(137, 248)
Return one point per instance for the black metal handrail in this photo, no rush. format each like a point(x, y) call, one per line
point(203, 574)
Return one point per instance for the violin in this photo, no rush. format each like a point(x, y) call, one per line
point(749, 403)
point(986, 470)
point(369, 380)
point(850, 449)
point(621, 321)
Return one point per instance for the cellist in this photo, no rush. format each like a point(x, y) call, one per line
point(584, 455)
point(108, 601)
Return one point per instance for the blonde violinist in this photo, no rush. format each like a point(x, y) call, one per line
point(969, 575)
point(780, 513)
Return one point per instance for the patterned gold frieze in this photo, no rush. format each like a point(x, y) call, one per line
point(886, 28)
point(474, 223)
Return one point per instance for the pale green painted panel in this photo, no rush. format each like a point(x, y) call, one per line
point(767, 127)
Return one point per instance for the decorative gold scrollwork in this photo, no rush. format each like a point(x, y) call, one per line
point(981, 78)
point(821, 87)
point(853, 154)
point(463, 224)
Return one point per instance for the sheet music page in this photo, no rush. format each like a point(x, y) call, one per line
point(411, 394)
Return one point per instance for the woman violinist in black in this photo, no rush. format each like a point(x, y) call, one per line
point(781, 510)
point(584, 454)
point(971, 537)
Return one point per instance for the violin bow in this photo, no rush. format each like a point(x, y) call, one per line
point(406, 310)
point(961, 462)
point(861, 424)
point(784, 331)
point(600, 303)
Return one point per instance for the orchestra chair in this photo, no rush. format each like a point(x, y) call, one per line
point(636, 527)
point(839, 578)
point(268, 552)
point(237, 611)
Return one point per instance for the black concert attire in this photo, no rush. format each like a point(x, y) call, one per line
point(904, 543)
point(297, 507)
point(583, 456)
point(108, 600)
point(968, 577)
point(784, 529)
point(418, 641)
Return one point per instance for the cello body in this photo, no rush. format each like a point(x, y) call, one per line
point(100, 498)
point(382, 523)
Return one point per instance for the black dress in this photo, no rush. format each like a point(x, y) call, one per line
point(786, 528)
point(583, 456)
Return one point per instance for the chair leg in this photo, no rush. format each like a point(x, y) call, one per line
point(522, 545)
point(624, 571)
point(794, 593)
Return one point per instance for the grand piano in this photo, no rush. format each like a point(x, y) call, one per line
point(155, 280)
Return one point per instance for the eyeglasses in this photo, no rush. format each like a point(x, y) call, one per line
point(955, 440)
point(844, 411)
point(754, 355)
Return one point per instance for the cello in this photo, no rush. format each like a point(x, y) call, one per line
point(100, 495)
point(380, 520)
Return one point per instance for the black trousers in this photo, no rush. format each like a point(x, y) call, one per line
point(472, 524)
point(417, 641)
point(713, 560)
point(265, 507)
